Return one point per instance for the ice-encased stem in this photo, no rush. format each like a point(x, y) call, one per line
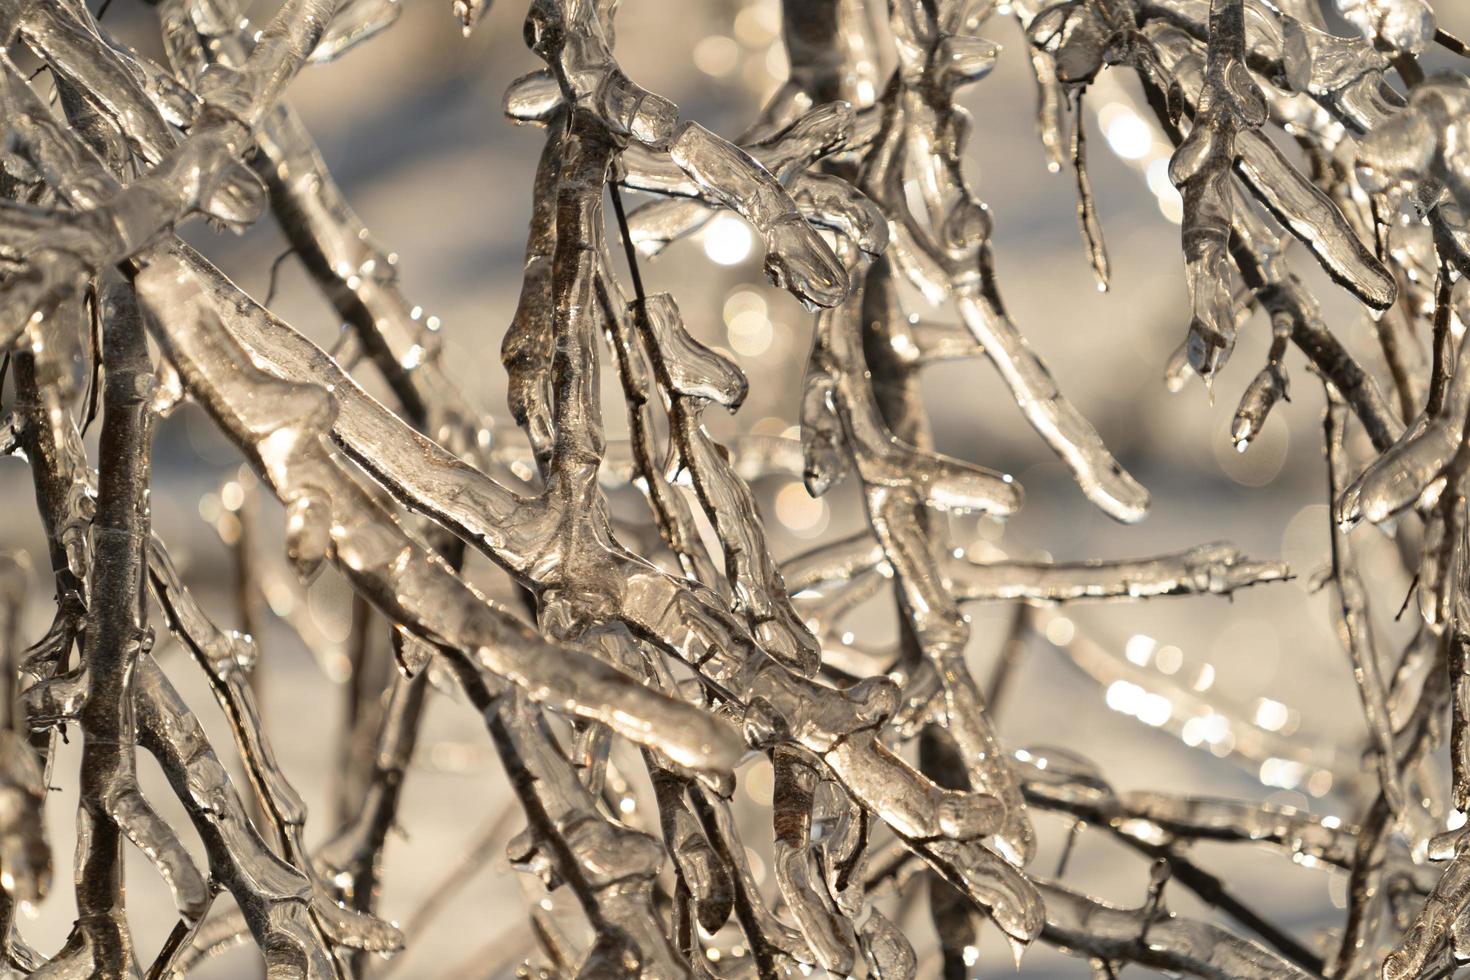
point(329, 512)
point(111, 805)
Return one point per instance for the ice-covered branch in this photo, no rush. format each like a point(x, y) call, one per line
point(330, 513)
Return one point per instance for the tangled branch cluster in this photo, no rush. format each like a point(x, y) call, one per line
point(701, 649)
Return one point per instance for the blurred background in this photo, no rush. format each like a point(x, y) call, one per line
point(411, 126)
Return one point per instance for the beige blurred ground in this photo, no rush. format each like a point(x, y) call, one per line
point(412, 128)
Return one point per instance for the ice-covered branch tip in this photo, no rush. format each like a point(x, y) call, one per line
point(1218, 568)
point(1200, 168)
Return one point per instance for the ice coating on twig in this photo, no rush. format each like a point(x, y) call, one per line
point(893, 495)
point(796, 256)
point(1402, 25)
point(691, 375)
point(25, 851)
point(1440, 920)
point(112, 805)
point(922, 137)
point(225, 659)
point(1212, 568)
point(356, 21)
point(1409, 469)
point(1217, 568)
point(1229, 104)
point(829, 934)
point(1352, 619)
point(1163, 941)
point(1422, 141)
point(326, 511)
point(569, 35)
point(1301, 207)
point(1267, 388)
